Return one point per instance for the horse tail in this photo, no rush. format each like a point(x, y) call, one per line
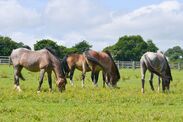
point(92, 59)
point(64, 65)
point(115, 66)
point(168, 71)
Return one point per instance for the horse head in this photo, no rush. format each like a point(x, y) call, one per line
point(61, 83)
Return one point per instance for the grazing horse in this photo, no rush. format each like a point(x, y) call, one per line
point(157, 64)
point(75, 61)
point(98, 61)
point(43, 60)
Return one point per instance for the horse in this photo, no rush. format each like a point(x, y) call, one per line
point(157, 64)
point(103, 61)
point(43, 60)
point(75, 61)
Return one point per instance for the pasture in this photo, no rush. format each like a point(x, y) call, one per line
point(90, 104)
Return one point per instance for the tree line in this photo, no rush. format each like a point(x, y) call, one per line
point(127, 48)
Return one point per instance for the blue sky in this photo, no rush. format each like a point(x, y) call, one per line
point(101, 22)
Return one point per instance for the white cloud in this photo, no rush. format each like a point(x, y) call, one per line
point(14, 16)
point(74, 14)
point(163, 22)
point(71, 21)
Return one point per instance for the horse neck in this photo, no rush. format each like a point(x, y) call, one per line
point(57, 67)
point(57, 72)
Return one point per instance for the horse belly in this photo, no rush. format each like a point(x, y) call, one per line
point(31, 66)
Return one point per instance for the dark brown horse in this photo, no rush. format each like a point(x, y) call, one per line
point(157, 64)
point(98, 61)
point(75, 61)
point(43, 60)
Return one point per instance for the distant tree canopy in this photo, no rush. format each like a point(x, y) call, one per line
point(82, 46)
point(48, 43)
point(60, 50)
point(79, 47)
point(131, 48)
point(7, 45)
point(175, 54)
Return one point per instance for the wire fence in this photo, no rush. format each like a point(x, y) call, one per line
point(120, 64)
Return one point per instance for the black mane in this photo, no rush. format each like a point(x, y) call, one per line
point(65, 67)
point(52, 51)
point(116, 68)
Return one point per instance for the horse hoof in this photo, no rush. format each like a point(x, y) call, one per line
point(95, 85)
point(50, 90)
point(38, 92)
point(19, 89)
point(142, 90)
point(15, 87)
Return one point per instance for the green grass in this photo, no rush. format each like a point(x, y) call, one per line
point(89, 103)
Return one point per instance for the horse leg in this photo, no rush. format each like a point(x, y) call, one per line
point(16, 78)
point(151, 81)
point(71, 75)
point(41, 80)
point(92, 76)
point(143, 71)
point(163, 85)
point(50, 81)
point(83, 73)
point(159, 81)
point(17, 73)
point(96, 78)
point(104, 78)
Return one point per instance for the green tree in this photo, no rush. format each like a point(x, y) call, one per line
point(175, 54)
point(7, 45)
point(48, 43)
point(130, 48)
point(151, 46)
point(81, 46)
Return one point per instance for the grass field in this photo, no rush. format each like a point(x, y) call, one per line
point(89, 103)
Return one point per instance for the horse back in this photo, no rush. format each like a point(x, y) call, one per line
point(31, 60)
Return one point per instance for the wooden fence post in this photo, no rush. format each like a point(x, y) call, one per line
point(179, 66)
point(118, 64)
point(133, 65)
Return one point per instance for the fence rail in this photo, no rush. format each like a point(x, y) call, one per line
point(136, 64)
point(4, 60)
point(120, 64)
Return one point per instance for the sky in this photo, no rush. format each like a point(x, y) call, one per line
point(100, 22)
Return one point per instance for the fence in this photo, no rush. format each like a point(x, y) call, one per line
point(4, 60)
point(136, 64)
point(120, 64)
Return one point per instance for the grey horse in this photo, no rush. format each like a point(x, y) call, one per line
point(157, 64)
point(42, 60)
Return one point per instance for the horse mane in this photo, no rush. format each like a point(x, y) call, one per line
point(27, 47)
point(52, 51)
point(114, 64)
point(65, 67)
point(168, 71)
point(49, 49)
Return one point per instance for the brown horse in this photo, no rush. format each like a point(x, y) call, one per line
point(98, 61)
point(43, 60)
point(75, 61)
point(157, 64)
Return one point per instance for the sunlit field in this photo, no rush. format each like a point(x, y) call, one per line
point(90, 103)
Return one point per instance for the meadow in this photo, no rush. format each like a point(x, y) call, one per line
point(89, 103)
